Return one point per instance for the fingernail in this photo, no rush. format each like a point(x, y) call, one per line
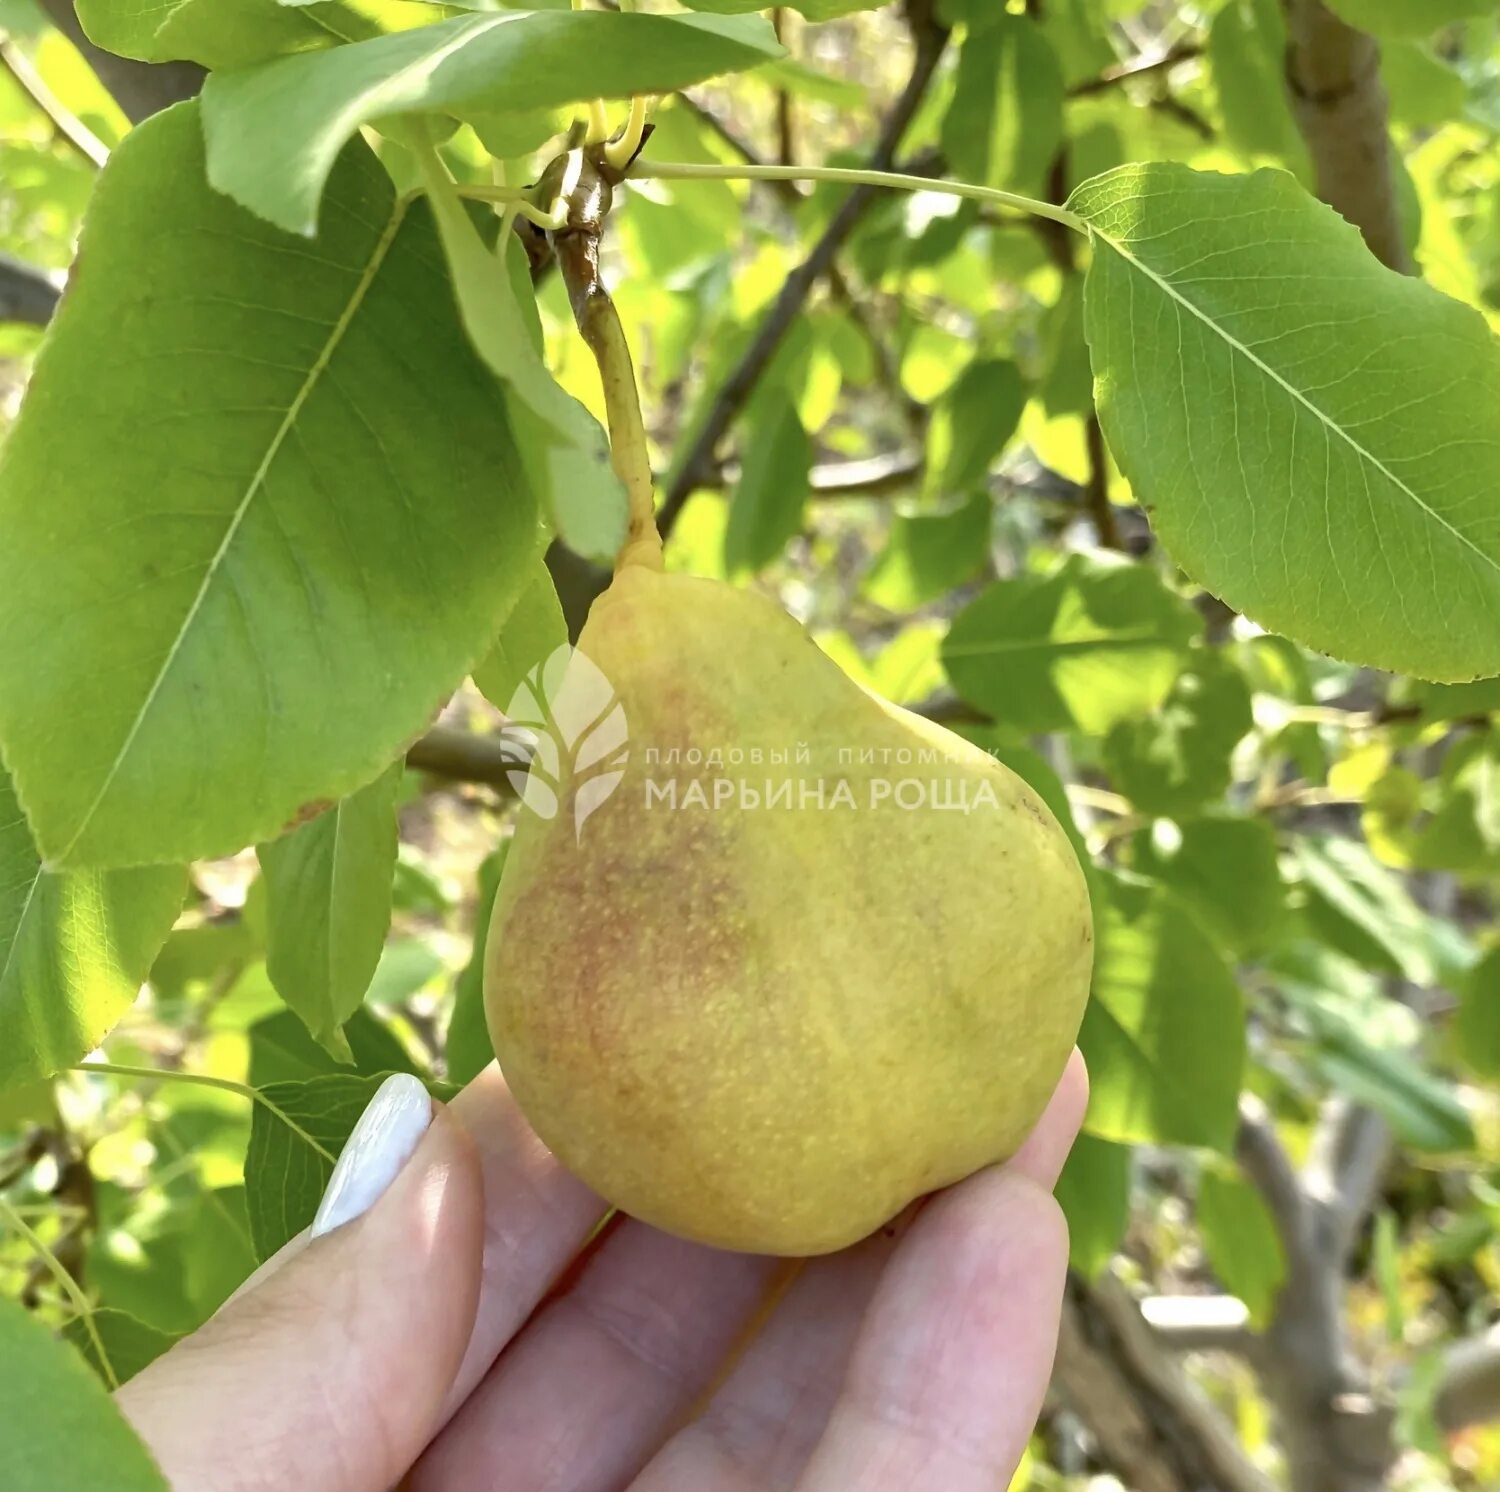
point(388, 1132)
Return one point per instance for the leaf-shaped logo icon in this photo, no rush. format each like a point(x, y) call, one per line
point(565, 728)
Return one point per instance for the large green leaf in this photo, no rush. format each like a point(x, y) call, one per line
point(1316, 437)
point(75, 946)
point(562, 445)
point(929, 553)
point(116, 1345)
point(1094, 1194)
point(972, 424)
point(1247, 61)
point(1478, 1023)
point(1364, 909)
point(1226, 870)
point(1240, 1238)
point(534, 630)
point(1164, 1032)
point(282, 1050)
point(1178, 759)
point(766, 510)
point(1096, 642)
point(814, 10)
point(262, 513)
point(1410, 18)
point(275, 130)
point(61, 1428)
point(233, 33)
point(1005, 122)
point(328, 887)
point(468, 1049)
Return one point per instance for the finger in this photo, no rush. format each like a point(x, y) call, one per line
point(1045, 1150)
point(762, 1424)
point(337, 1363)
point(588, 1391)
point(946, 1377)
point(536, 1218)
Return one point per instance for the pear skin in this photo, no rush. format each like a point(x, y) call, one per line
point(768, 1014)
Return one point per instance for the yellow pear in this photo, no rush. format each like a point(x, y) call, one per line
point(771, 957)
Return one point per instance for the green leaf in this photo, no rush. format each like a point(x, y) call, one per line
point(1095, 642)
point(1067, 382)
point(972, 424)
point(1241, 1241)
point(533, 631)
point(75, 946)
point(233, 33)
point(116, 1345)
point(1247, 62)
point(217, 1255)
point(296, 1134)
point(1227, 872)
point(328, 886)
point(930, 553)
point(1458, 701)
point(1478, 1025)
point(1424, 1111)
point(1094, 1194)
point(814, 10)
point(281, 1050)
point(562, 445)
point(262, 512)
point(766, 509)
point(1314, 436)
point(1363, 909)
point(1409, 18)
point(1178, 759)
point(275, 130)
point(468, 1049)
point(1424, 91)
point(1005, 123)
point(1164, 1032)
point(1367, 1046)
point(61, 1428)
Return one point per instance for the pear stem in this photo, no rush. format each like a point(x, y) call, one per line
point(601, 329)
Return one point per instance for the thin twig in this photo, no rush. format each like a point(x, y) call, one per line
point(1137, 67)
point(930, 38)
point(64, 121)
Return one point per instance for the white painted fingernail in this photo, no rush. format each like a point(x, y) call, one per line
point(388, 1132)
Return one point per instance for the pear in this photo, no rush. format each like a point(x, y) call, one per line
point(776, 957)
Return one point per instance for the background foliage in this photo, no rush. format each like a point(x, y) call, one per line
point(1093, 501)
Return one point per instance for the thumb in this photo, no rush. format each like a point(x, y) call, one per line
point(332, 1368)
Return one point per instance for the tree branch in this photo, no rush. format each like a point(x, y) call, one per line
point(930, 38)
point(462, 756)
point(34, 85)
point(1200, 1323)
point(1154, 1428)
point(1339, 100)
point(1350, 1151)
point(1336, 1434)
point(1469, 1391)
point(1137, 67)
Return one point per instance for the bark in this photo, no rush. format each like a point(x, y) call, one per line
point(1340, 104)
point(1152, 1426)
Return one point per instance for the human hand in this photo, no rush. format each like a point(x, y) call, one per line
point(444, 1327)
